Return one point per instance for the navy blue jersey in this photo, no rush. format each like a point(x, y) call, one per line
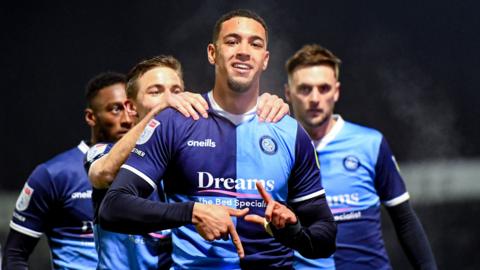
point(126, 251)
point(56, 200)
point(214, 161)
point(359, 173)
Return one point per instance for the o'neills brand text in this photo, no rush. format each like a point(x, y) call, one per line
point(206, 180)
point(204, 143)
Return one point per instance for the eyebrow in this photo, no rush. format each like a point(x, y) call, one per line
point(235, 35)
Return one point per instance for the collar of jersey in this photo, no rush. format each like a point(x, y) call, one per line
point(331, 134)
point(83, 147)
point(236, 119)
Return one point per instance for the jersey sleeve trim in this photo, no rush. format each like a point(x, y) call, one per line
point(307, 197)
point(398, 200)
point(24, 230)
point(141, 175)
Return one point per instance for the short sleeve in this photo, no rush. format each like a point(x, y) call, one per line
point(388, 181)
point(33, 204)
point(305, 180)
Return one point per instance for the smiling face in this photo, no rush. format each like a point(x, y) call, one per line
point(313, 92)
point(240, 54)
point(152, 85)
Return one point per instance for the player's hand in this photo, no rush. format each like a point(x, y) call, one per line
point(187, 103)
point(276, 213)
point(214, 222)
point(271, 108)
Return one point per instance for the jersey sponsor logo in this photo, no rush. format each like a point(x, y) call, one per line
point(351, 163)
point(352, 198)
point(204, 143)
point(148, 131)
point(207, 181)
point(82, 195)
point(24, 199)
point(94, 152)
point(138, 152)
point(268, 145)
point(348, 216)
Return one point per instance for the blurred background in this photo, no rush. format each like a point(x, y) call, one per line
point(409, 70)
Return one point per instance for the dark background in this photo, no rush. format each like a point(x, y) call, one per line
point(409, 67)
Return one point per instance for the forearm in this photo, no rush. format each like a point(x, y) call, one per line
point(314, 235)
point(412, 236)
point(103, 171)
point(18, 248)
point(125, 209)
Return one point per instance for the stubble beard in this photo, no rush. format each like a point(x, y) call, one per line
point(237, 86)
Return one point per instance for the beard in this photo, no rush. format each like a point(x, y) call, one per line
point(238, 87)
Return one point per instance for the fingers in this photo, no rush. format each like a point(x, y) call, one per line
point(255, 219)
point(266, 197)
point(237, 212)
point(236, 240)
point(197, 102)
point(261, 110)
point(284, 110)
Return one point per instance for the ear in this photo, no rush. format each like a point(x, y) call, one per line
point(287, 92)
point(211, 52)
point(90, 117)
point(265, 60)
point(337, 91)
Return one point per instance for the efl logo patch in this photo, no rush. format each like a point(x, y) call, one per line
point(95, 151)
point(148, 131)
point(351, 163)
point(24, 199)
point(268, 145)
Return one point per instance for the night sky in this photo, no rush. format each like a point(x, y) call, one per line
point(409, 67)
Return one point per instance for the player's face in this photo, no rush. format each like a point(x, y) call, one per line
point(152, 85)
point(240, 53)
point(112, 120)
point(313, 91)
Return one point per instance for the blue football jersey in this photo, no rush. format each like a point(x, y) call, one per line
point(56, 200)
point(359, 172)
point(125, 251)
point(216, 161)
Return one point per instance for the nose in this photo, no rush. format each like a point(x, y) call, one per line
point(243, 53)
point(127, 119)
point(315, 95)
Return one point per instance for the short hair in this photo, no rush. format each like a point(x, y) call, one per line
point(313, 55)
point(238, 13)
point(143, 67)
point(101, 81)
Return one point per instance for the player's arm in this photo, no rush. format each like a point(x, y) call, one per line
point(17, 250)
point(307, 226)
point(412, 237)
point(391, 189)
point(103, 170)
point(125, 209)
point(28, 221)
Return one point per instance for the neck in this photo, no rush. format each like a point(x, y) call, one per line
point(234, 102)
point(317, 133)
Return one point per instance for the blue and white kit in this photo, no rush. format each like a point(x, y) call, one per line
point(218, 160)
point(126, 251)
point(56, 200)
point(359, 172)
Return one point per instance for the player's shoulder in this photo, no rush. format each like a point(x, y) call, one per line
point(286, 123)
point(362, 131)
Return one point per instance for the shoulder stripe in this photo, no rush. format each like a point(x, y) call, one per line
point(398, 200)
point(141, 175)
point(24, 230)
point(309, 196)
